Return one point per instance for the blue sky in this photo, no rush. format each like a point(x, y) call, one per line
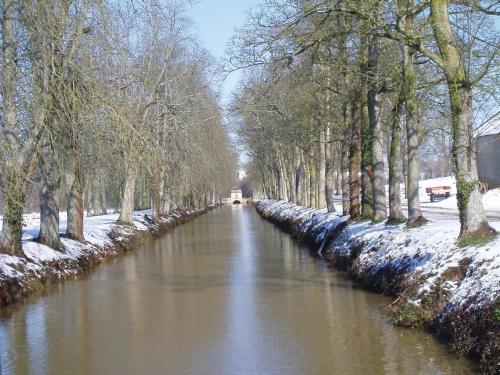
point(214, 23)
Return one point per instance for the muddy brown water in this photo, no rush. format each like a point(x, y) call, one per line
point(226, 293)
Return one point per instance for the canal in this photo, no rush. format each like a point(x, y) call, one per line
point(226, 293)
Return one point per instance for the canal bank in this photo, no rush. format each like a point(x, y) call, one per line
point(227, 293)
point(451, 291)
point(104, 239)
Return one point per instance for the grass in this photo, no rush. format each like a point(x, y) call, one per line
point(458, 273)
point(416, 223)
point(407, 316)
point(484, 234)
point(477, 240)
point(397, 221)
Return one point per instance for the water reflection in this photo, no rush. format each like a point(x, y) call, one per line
point(224, 294)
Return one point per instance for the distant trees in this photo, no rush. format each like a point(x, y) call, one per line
point(348, 79)
point(105, 105)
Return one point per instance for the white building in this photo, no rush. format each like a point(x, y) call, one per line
point(236, 195)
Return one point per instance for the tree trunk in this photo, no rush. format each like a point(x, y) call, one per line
point(307, 182)
point(96, 197)
point(49, 210)
point(156, 205)
point(377, 136)
point(329, 171)
point(412, 124)
point(87, 198)
point(127, 204)
point(283, 178)
point(321, 176)
point(300, 183)
point(282, 184)
point(141, 195)
point(395, 212)
point(344, 166)
point(157, 191)
point(338, 179)
point(292, 179)
point(366, 139)
point(167, 202)
point(299, 178)
point(102, 196)
point(13, 180)
point(355, 164)
point(366, 163)
point(470, 206)
point(74, 228)
point(14, 195)
point(313, 191)
point(166, 194)
point(404, 165)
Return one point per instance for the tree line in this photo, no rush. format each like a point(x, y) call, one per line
point(105, 104)
point(336, 90)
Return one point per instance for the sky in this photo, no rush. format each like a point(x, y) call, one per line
point(214, 24)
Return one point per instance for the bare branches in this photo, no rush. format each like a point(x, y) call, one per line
point(110, 97)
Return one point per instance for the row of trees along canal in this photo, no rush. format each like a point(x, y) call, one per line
point(330, 85)
point(105, 104)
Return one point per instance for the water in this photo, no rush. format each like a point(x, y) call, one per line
point(227, 293)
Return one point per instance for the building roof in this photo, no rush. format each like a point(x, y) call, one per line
point(490, 127)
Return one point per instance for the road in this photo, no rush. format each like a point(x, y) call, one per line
point(433, 211)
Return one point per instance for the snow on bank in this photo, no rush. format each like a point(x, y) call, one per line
point(307, 219)
point(428, 254)
point(97, 230)
point(453, 291)
point(104, 238)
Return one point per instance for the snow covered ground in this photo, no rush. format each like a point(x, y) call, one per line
point(452, 290)
point(445, 206)
point(427, 254)
point(491, 200)
point(96, 229)
point(43, 263)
